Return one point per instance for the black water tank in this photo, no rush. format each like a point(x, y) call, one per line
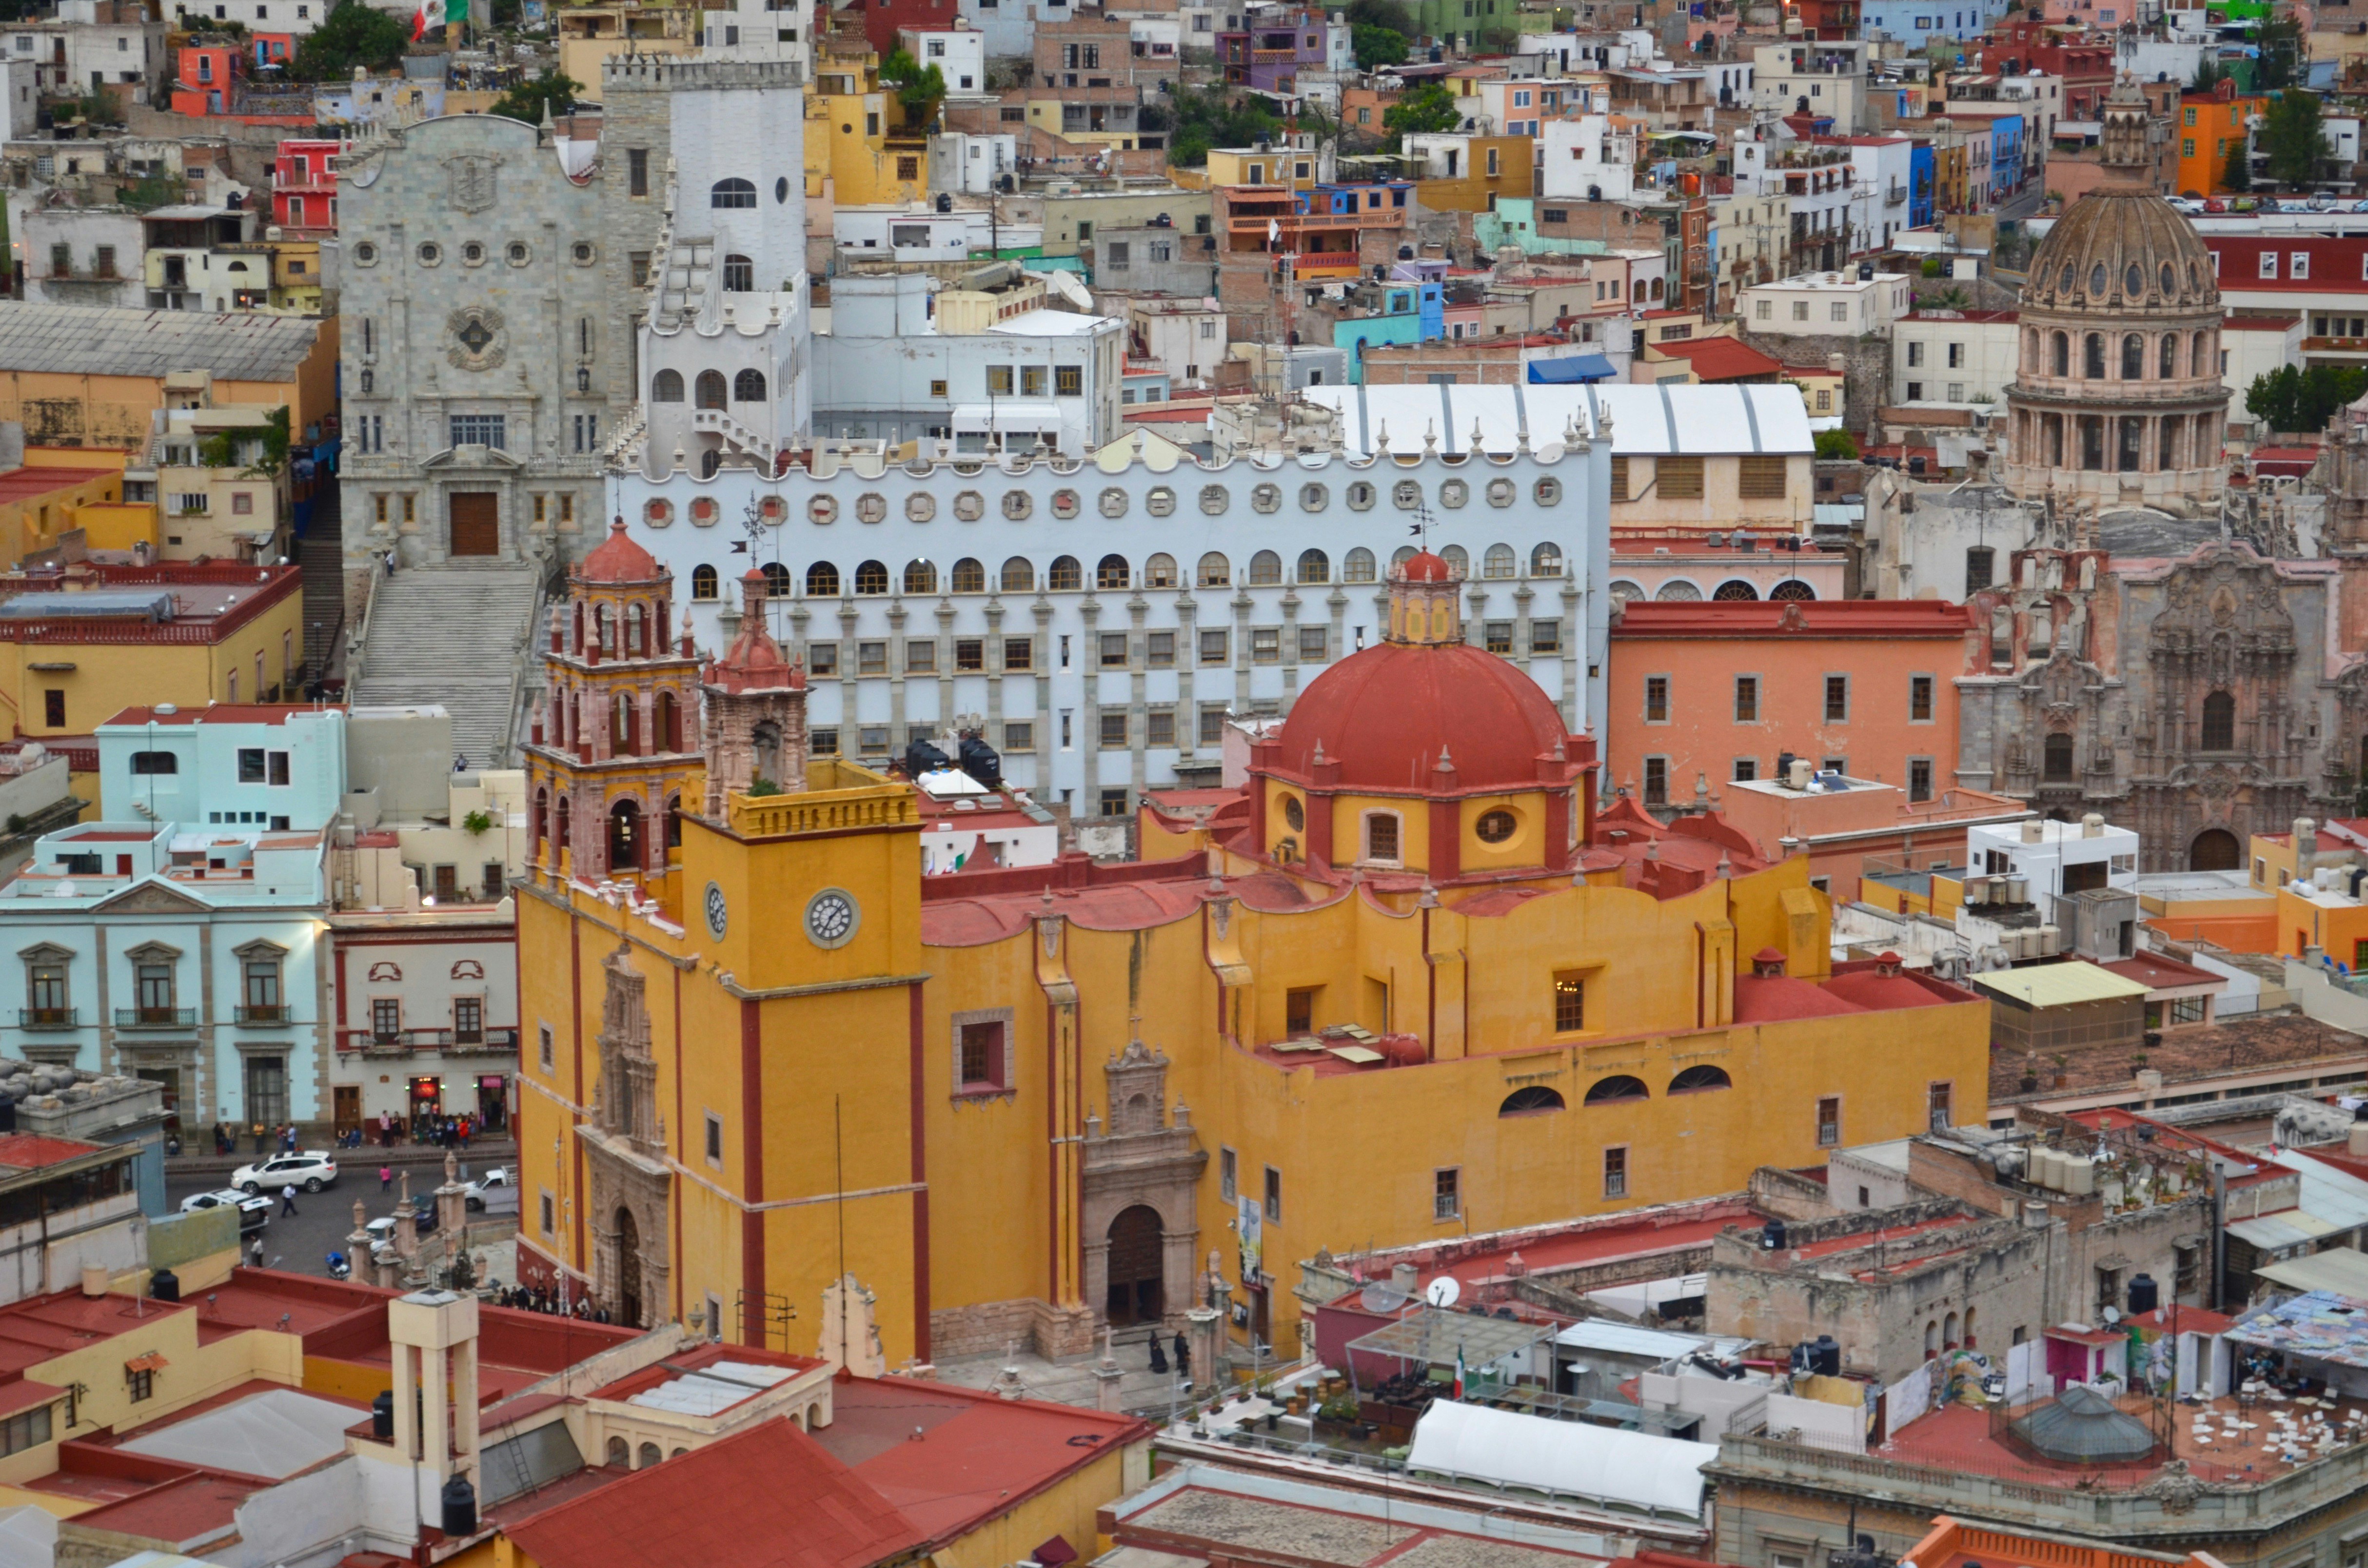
point(922, 758)
point(382, 1417)
point(460, 1508)
point(980, 761)
point(1826, 1357)
point(2145, 1295)
point(1771, 1235)
point(165, 1286)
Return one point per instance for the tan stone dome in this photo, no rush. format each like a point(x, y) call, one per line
point(2122, 249)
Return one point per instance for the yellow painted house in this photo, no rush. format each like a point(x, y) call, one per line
point(856, 151)
point(1408, 979)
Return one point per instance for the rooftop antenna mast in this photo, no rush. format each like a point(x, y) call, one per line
point(1423, 523)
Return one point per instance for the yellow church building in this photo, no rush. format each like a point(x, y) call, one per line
point(1405, 982)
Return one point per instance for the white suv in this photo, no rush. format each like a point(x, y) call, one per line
point(308, 1169)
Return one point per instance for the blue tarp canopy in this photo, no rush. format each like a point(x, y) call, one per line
point(1562, 372)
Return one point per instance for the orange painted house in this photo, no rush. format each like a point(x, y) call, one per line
point(2210, 126)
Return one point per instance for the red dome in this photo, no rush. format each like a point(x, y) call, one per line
point(1384, 714)
point(1424, 567)
point(619, 560)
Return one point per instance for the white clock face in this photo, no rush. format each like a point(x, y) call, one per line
point(831, 918)
point(716, 912)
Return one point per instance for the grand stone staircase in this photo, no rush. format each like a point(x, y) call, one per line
point(454, 634)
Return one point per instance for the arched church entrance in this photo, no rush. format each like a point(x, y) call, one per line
point(629, 1269)
point(1136, 1292)
point(2214, 849)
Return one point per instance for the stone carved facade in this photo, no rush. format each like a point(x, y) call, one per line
point(625, 1171)
point(1144, 1158)
point(756, 710)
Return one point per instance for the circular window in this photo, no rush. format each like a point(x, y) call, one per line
point(430, 254)
point(1406, 494)
point(582, 252)
point(1294, 816)
point(1496, 826)
point(1361, 496)
point(920, 505)
point(2134, 280)
point(1112, 501)
point(1161, 502)
point(823, 509)
point(782, 188)
point(517, 252)
point(2096, 281)
point(1549, 491)
point(970, 506)
point(1265, 498)
point(473, 255)
point(658, 514)
point(774, 510)
point(1017, 503)
point(704, 511)
point(1500, 492)
point(1064, 503)
point(1454, 493)
point(871, 508)
point(1214, 499)
point(1313, 498)
point(366, 255)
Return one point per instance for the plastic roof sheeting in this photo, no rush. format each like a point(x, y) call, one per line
point(273, 1434)
point(2341, 1270)
point(1569, 1459)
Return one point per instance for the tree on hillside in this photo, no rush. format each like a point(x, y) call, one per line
point(1428, 108)
point(1389, 14)
point(919, 89)
point(1211, 119)
point(2294, 137)
point(528, 100)
point(353, 33)
point(1376, 47)
point(2301, 401)
point(2279, 63)
point(2207, 76)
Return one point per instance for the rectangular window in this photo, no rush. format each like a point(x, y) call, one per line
point(969, 654)
point(1111, 802)
point(143, 1384)
point(1031, 381)
point(1760, 479)
point(2298, 266)
point(1914, 356)
point(1938, 1101)
point(872, 658)
point(1839, 309)
point(1446, 1202)
point(1747, 769)
point(1114, 647)
point(479, 430)
point(1615, 1173)
point(1159, 729)
point(1381, 836)
point(53, 707)
point(250, 765)
point(822, 658)
point(1657, 700)
point(998, 381)
point(1266, 645)
point(715, 1139)
point(1114, 731)
point(982, 1056)
point(1747, 699)
point(1228, 1175)
point(1837, 699)
point(549, 1215)
point(1545, 636)
point(1069, 380)
point(1829, 1122)
point(1019, 653)
point(637, 171)
point(1619, 479)
point(920, 657)
point(1273, 1195)
point(1019, 735)
point(1919, 779)
point(637, 266)
point(1656, 780)
point(1496, 636)
point(1213, 643)
point(1213, 724)
point(1312, 644)
point(1679, 479)
point(1569, 1002)
point(543, 1055)
point(1919, 699)
point(1159, 650)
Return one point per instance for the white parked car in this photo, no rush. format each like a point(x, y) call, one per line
point(473, 1194)
point(309, 1169)
point(253, 1209)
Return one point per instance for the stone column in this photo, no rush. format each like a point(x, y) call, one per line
point(1205, 1331)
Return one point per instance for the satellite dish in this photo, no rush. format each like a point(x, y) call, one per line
point(1443, 1291)
point(1380, 1297)
point(2112, 1314)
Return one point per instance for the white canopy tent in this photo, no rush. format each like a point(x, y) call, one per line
point(1567, 1459)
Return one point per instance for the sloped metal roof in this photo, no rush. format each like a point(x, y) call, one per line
point(92, 341)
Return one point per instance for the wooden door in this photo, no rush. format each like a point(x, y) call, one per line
point(476, 522)
point(348, 1108)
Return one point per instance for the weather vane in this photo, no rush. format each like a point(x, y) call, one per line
point(1423, 523)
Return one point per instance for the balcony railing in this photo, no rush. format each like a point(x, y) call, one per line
point(156, 1017)
point(48, 1017)
point(493, 1036)
point(272, 1013)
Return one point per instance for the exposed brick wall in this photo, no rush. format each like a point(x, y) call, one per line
point(990, 1328)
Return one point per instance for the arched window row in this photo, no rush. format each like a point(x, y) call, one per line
point(1115, 573)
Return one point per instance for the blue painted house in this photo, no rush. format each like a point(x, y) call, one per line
point(1920, 180)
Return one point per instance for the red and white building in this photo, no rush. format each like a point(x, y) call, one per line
point(305, 186)
point(2322, 280)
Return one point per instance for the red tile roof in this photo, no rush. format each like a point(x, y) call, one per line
point(215, 713)
point(31, 1151)
point(1722, 359)
point(769, 1497)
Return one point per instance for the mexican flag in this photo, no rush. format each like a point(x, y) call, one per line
point(1458, 1389)
point(436, 14)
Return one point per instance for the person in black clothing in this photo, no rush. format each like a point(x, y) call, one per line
point(1159, 1355)
point(1183, 1358)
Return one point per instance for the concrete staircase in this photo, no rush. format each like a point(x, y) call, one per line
point(453, 635)
point(322, 555)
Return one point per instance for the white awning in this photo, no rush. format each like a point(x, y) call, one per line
point(1569, 1459)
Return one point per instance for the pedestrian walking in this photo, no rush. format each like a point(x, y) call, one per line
point(386, 1178)
point(254, 1253)
point(288, 1199)
point(1183, 1358)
